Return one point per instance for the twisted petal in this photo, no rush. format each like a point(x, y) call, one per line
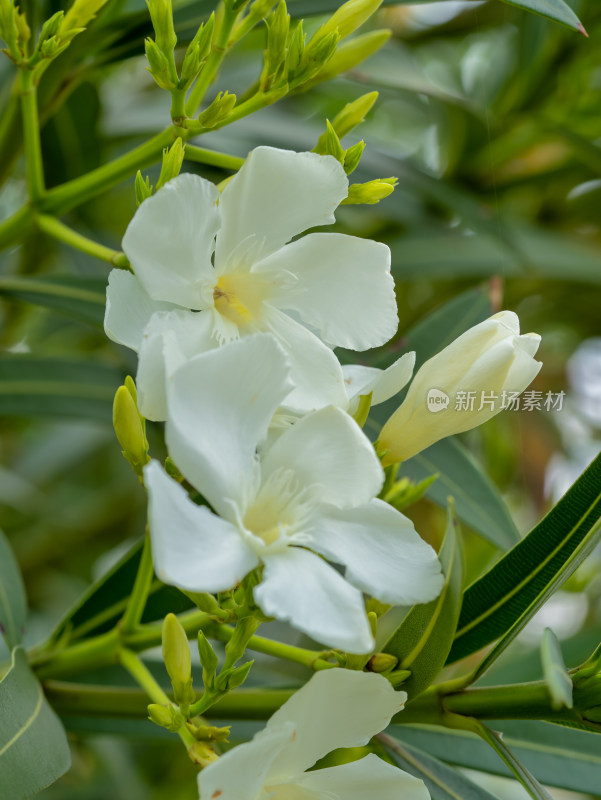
point(169, 339)
point(382, 383)
point(368, 777)
point(315, 370)
point(220, 407)
point(170, 239)
point(344, 288)
point(192, 548)
point(330, 457)
point(301, 588)
point(128, 309)
point(383, 554)
point(336, 708)
point(240, 773)
point(276, 195)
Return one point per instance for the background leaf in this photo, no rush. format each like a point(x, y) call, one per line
point(33, 745)
point(13, 602)
point(80, 297)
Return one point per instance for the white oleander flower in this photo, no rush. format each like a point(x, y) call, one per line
point(463, 386)
point(230, 257)
point(311, 494)
point(336, 708)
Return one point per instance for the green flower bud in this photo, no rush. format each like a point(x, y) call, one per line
point(209, 733)
point(197, 53)
point(350, 16)
point(352, 157)
point(382, 662)
point(176, 655)
point(202, 754)
point(371, 192)
point(166, 717)
point(52, 26)
point(278, 25)
point(143, 188)
point(173, 158)
point(399, 677)
point(208, 659)
point(319, 51)
point(236, 647)
point(158, 65)
point(79, 15)
point(296, 49)
point(219, 110)
point(354, 113)
point(129, 429)
point(22, 26)
point(351, 53)
point(333, 146)
point(161, 14)
point(233, 678)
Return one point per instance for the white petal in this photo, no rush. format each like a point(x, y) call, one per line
point(169, 241)
point(276, 195)
point(328, 452)
point(300, 588)
point(344, 288)
point(315, 370)
point(169, 339)
point(383, 553)
point(383, 383)
point(336, 708)
point(220, 407)
point(239, 774)
point(370, 777)
point(128, 309)
point(192, 548)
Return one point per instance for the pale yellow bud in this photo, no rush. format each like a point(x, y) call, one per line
point(351, 16)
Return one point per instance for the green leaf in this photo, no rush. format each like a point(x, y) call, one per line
point(443, 782)
point(104, 601)
point(33, 745)
point(31, 386)
point(424, 638)
point(556, 10)
point(13, 603)
point(83, 298)
point(556, 675)
point(479, 502)
point(562, 757)
point(502, 600)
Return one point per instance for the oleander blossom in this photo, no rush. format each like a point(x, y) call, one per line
point(230, 257)
point(336, 708)
point(310, 494)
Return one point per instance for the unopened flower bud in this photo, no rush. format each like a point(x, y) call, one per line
point(349, 54)
point(51, 26)
point(158, 64)
point(485, 363)
point(382, 662)
point(233, 678)
point(176, 655)
point(352, 157)
point(79, 15)
point(142, 187)
point(173, 158)
point(166, 716)
point(296, 49)
point(208, 660)
point(351, 16)
point(278, 25)
point(219, 110)
point(129, 429)
point(197, 53)
point(354, 113)
point(202, 754)
point(371, 192)
point(161, 14)
point(318, 52)
point(332, 145)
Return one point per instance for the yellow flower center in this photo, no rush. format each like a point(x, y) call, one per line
point(238, 296)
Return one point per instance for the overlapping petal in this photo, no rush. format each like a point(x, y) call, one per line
point(330, 456)
point(382, 383)
point(344, 288)
point(170, 240)
point(220, 406)
point(192, 547)
point(299, 587)
point(383, 553)
point(276, 195)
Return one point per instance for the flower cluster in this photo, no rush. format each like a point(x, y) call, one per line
point(235, 318)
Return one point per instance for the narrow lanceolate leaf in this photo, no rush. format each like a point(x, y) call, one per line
point(31, 386)
point(556, 675)
point(76, 296)
point(502, 601)
point(424, 638)
point(13, 603)
point(33, 745)
point(563, 757)
point(557, 10)
point(478, 501)
point(443, 782)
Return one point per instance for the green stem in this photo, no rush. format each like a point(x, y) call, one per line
point(31, 136)
point(137, 600)
point(178, 106)
point(90, 654)
point(58, 230)
point(308, 658)
point(151, 635)
point(210, 69)
point(211, 157)
point(72, 193)
point(141, 674)
point(16, 226)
